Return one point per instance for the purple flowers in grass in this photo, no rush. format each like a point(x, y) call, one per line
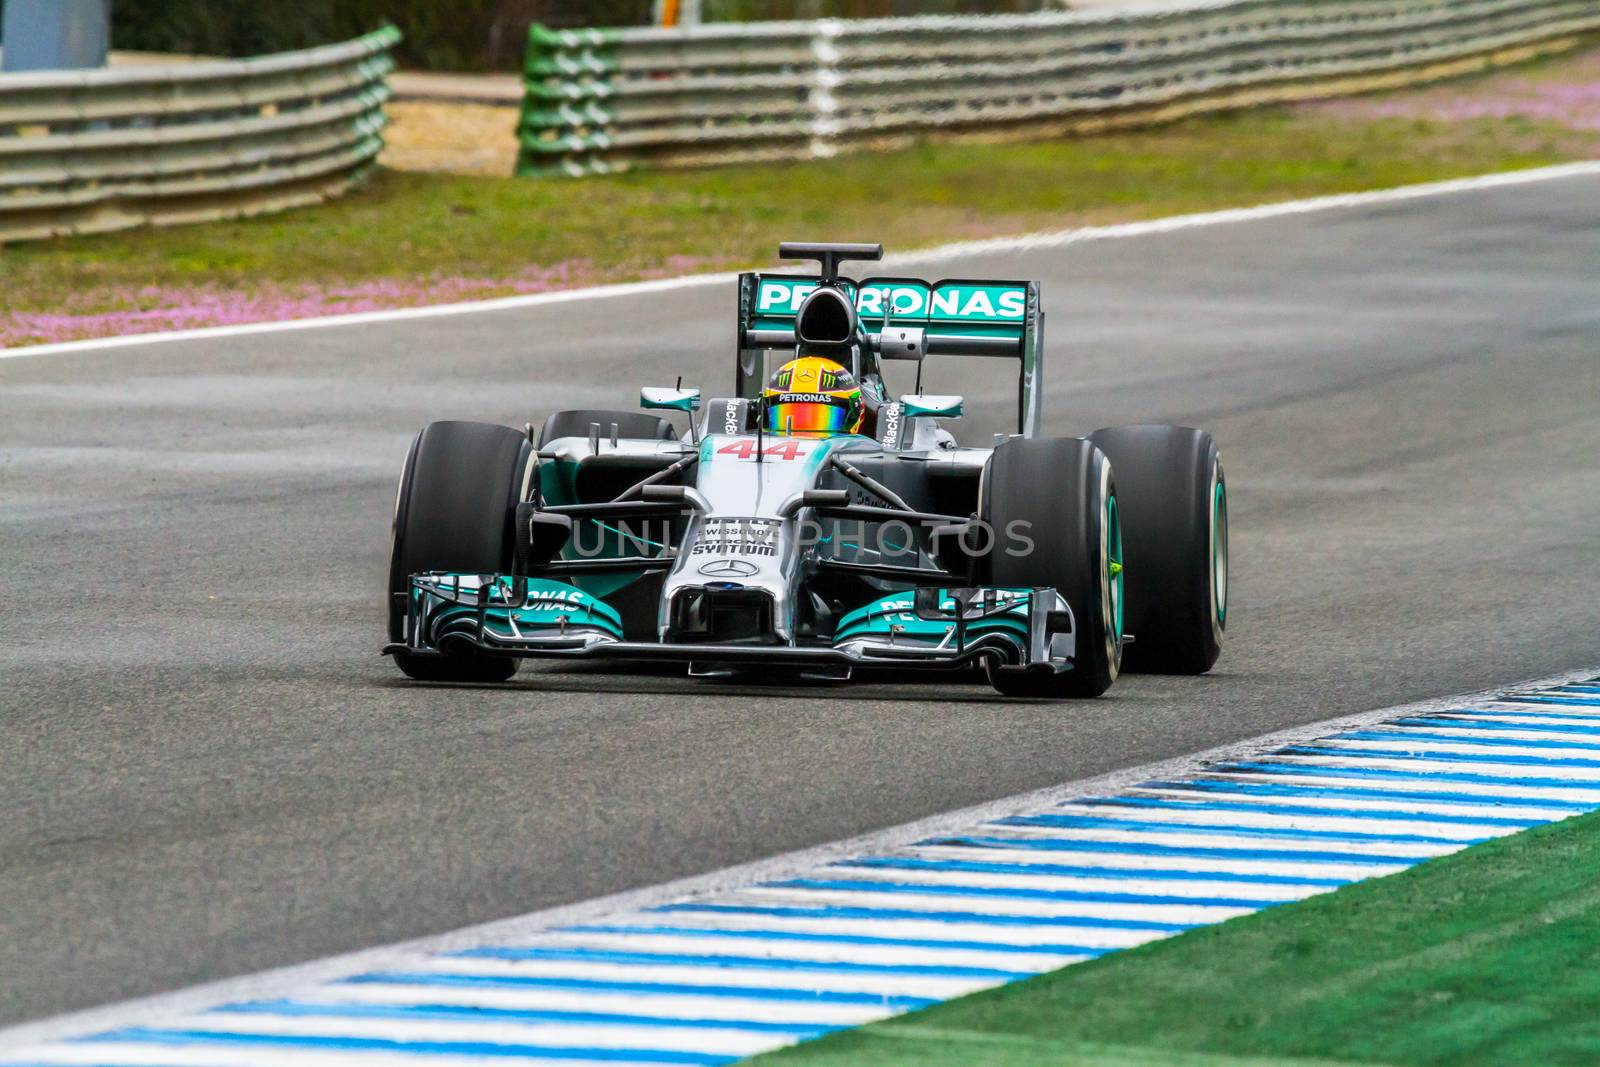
point(105, 312)
point(1571, 99)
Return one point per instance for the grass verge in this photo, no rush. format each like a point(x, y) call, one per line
point(1489, 956)
point(409, 238)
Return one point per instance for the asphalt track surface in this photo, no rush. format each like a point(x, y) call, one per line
point(205, 768)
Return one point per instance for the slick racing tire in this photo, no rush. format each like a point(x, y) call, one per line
point(458, 495)
point(635, 424)
point(1174, 502)
point(1063, 491)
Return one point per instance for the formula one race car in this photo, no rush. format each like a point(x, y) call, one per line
point(813, 526)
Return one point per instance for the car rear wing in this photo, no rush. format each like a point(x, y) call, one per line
point(905, 318)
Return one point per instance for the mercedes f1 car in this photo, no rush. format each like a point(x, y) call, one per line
point(812, 525)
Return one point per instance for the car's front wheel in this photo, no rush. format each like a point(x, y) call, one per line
point(454, 512)
point(1051, 506)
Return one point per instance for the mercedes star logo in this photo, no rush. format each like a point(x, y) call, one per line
point(728, 568)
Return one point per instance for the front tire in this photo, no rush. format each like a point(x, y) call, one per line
point(458, 494)
point(1063, 490)
point(1175, 522)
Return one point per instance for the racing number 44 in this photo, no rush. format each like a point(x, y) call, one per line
point(745, 448)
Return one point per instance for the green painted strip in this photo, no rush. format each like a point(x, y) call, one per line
point(567, 91)
point(595, 37)
point(386, 36)
point(534, 123)
point(566, 65)
point(567, 142)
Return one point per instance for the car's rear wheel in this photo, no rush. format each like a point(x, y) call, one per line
point(458, 494)
point(1175, 525)
point(635, 424)
point(1058, 494)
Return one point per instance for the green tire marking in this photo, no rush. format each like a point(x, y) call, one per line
point(1114, 565)
point(1219, 552)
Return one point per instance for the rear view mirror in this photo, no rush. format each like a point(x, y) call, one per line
point(937, 407)
point(652, 396)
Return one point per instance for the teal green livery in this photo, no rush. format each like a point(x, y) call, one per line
point(894, 615)
point(549, 605)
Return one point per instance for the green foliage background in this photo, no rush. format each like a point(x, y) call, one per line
point(439, 34)
point(446, 34)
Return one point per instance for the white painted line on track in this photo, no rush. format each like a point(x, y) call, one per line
point(1420, 761)
point(1485, 807)
point(935, 900)
point(1145, 865)
point(959, 250)
point(1176, 891)
point(708, 969)
point(888, 983)
point(1421, 784)
point(1278, 822)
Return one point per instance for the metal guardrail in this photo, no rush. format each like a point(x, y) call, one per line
point(603, 100)
point(91, 151)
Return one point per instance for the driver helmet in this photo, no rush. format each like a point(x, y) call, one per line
point(813, 397)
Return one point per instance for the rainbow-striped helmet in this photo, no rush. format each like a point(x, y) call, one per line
point(813, 397)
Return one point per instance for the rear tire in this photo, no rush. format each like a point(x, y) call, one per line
point(635, 424)
point(1063, 489)
point(1175, 525)
point(458, 494)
